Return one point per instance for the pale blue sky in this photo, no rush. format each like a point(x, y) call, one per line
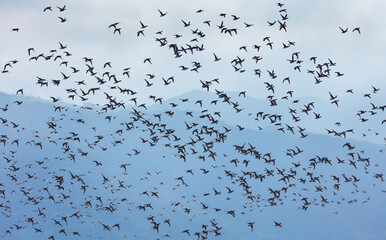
point(313, 25)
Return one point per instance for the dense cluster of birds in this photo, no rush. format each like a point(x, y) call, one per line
point(75, 183)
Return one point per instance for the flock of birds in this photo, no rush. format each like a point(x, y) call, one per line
point(72, 184)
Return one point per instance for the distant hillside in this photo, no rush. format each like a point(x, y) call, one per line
point(99, 169)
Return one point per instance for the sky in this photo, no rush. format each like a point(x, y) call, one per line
point(312, 25)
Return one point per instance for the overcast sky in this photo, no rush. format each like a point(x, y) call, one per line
point(313, 25)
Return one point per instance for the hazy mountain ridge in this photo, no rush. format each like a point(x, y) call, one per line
point(144, 162)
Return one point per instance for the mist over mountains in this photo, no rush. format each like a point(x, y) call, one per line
point(155, 168)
